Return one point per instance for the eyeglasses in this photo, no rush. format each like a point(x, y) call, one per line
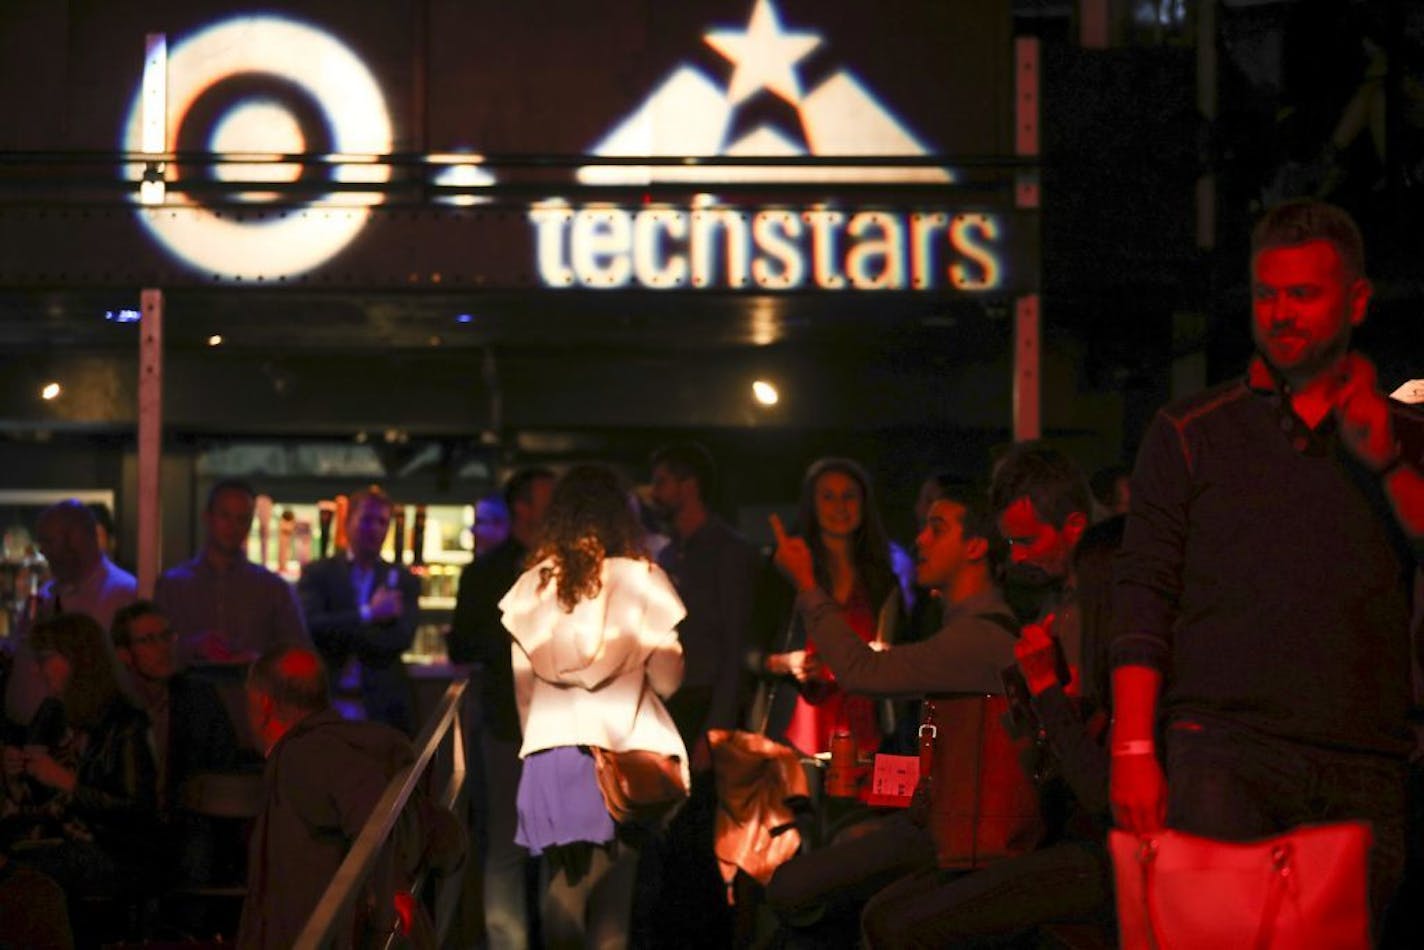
point(164, 637)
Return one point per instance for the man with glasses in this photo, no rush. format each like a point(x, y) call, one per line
point(191, 729)
point(192, 734)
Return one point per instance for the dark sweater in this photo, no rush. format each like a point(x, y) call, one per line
point(1264, 573)
point(477, 633)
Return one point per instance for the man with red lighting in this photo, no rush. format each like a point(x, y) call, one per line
point(324, 777)
point(1274, 530)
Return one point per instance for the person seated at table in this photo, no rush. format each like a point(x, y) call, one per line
point(191, 729)
point(956, 552)
point(95, 800)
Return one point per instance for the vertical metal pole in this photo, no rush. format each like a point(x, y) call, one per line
point(1028, 423)
point(150, 439)
point(154, 120)
point(154, 117)
point(1027, 354)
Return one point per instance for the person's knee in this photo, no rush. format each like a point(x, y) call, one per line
point(789, 889)
point(880, 925)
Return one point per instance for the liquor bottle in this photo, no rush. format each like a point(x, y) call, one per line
point(417, 540)
point(325, 512)
point(263, 511)
point(286, 527)
point(343, 508)
point(302, 541)
point(398, 541)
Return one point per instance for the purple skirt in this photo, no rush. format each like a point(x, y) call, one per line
point(559, 801)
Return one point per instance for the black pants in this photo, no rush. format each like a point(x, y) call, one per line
point(1068, 881)
point(852, 868)
point(1234, 784)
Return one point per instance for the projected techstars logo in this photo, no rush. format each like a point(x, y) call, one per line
point(772, 248)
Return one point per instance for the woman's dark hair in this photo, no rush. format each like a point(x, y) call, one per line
point(94, 681)
point(870, 547)
point(589, 519)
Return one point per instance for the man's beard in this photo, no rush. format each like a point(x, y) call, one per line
point(1030, 577)
point(1311, 364)
point(1029, 589)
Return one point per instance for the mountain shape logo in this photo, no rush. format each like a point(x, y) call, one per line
point(688, 115)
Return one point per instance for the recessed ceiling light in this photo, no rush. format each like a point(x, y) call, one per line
point(50, 391)
point(765, 393)
point(215, 340)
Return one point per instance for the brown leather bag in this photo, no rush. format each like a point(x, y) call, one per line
point(638, 786)
point(975, 795)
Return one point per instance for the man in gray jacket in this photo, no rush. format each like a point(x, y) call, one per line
point(976, 642)
point(323, 778)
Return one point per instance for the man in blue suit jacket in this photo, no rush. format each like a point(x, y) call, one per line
point(358, 605)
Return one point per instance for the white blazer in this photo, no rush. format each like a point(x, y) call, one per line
point(592, 676)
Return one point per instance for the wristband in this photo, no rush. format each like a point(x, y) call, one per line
point(1132, 747)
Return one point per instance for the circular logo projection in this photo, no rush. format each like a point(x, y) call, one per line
point(264, 87)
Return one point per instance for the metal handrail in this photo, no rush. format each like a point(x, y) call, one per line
point(361, 859)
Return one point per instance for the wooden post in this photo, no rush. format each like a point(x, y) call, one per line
point(150, 439)
point(1028, 422)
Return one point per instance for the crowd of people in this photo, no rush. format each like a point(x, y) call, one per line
point(1220, 642)
point(115, 716)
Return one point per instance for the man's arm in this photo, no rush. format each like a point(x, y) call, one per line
point(1369, 431)
point(1137, 785)
point(1076, 744)
point(1146, 591)
point(1404, 487)
point(965, 656)
point(388, 638)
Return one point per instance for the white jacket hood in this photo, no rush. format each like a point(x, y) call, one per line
point(636, 611)
point(593, 676)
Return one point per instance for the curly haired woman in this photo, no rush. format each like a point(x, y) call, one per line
point(595, 646)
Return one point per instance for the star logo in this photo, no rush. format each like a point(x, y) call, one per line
point(689, 114)
point(765, 55)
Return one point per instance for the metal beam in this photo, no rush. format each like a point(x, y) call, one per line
point(150, 439)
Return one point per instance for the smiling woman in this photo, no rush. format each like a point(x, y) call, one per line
point(851, 561)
